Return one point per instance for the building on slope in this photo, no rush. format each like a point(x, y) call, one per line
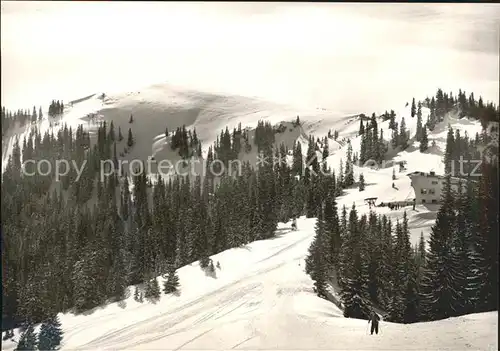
point(428, 186)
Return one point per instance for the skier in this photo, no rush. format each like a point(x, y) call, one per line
point(294, 224)
point(218, 265)
point(374, 318)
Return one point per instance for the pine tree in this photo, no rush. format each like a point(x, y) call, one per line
point(136, 294)
point(50, 335)
point(152, 289)
point(298, 162)
point(354, 286)
point(431, 121)
point(27, 340)
point(312, 159)
point(411, 313)
point(130, 140)
point(332, 229)
point(361, 127)
point(418, 135)
point(171, 284)
point(111, 135)
point(399, 279)
point(316, 264)
point(386, 263)
point(421, 250)
point(408, 269)
point(403, 135)
point(463, 247)
point(413, 108)
point(449, 151)
point(373, 149)
point(361, 182)
point(340, 180)
point(392, 121)
point(440, 297)
point(325, 154)
point(131, 120)
point(349, 171)
point(204, 261)
point(120, 135)
point(33, 115)
point(468, 215)
point(488, 207)
point(363, 153)
point(424, 142)
point(395, 138)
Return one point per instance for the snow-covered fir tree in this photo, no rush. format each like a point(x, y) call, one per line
point(50, 335)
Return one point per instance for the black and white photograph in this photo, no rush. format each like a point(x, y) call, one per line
point(266, 176)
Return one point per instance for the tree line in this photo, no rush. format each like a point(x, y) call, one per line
point(74, 245)
point(374, 262)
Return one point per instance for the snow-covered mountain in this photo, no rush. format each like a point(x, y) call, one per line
point(261, 297)
point(163, 105)
point(325, 63)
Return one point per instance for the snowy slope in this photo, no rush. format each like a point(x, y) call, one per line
point(158, 106)
point(260, 299)
point(72, 116)
point(379, 180)
point(164, 105)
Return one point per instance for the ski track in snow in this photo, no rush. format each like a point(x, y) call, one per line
point(211, 307)
point(261, 298)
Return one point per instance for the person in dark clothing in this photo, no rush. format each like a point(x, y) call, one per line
point(374, 318)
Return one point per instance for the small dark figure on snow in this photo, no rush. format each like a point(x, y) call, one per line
point(217, 265)
point(414, 202)
point(374, 318)
point(294, 224)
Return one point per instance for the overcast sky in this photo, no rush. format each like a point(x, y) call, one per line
point(324, 54)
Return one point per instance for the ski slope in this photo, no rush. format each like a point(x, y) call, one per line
point(261, 299)
point(165, 105)
point(160, 105)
